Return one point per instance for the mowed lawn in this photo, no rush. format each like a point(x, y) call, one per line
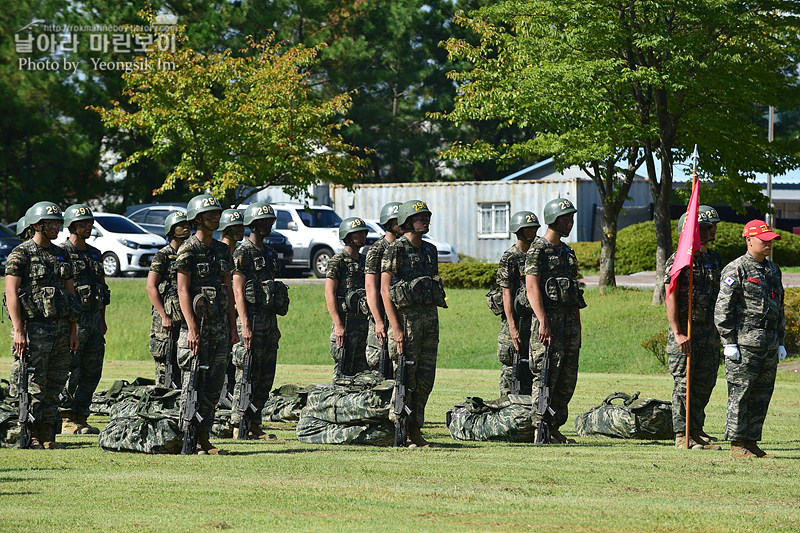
point(596, 485)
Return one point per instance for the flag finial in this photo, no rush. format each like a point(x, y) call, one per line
point(695, 155)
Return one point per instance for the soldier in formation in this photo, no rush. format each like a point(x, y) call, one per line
point(411, 291)
point(551, 271)
point(204, 267)
point(703, 347)
point(44, 311)
point(345, 298)
point(750, 319)
point(254, 287)
point(162, 289)
point(86, 367)
point(376, 336)
point(515, 323)
point(231, 226)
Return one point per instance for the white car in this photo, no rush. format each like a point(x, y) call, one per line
point(447, 253)
point(125, 245)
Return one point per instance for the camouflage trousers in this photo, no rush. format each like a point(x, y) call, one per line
point(374, 346)
point(751, 381)
point(564, 350)
point(214, 351)
point(264, 357)
point(705, 365)
point(355, 347)
point(48, 346)
point(164, 348)
point(421, 331)
point(86, 366)
point(505, 351)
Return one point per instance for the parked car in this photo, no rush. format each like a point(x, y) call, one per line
point(125, 245)
point(447, 253)
point(8, 241)
point(151, 217)
point(313, 233)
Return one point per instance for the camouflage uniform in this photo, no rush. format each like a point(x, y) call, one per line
point(86, 367)
point(207, 266)
point(161, 340)
point(705, 342)
point(48, 338)
point(372, 265)
point(420, 322)
point(555, 261)
point(511, 275)
point(257, 266)
point(349, 273)
point(749, 313)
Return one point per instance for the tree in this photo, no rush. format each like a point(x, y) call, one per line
point(240, 122)
point(660, 76)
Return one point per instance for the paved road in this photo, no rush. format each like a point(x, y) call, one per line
point(646, 280)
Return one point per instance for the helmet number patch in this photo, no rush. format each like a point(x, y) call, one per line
point(209, 202)
point(264, 210)
point(530, 218)
point(53, 210)
point(565, 204)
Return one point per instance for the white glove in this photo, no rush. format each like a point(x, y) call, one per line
point(781, 353)
point(731, 351)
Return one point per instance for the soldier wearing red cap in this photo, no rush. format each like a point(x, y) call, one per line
point(750, 320)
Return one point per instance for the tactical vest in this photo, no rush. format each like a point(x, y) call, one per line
point(168, 286)
point(208, 267)
point(416, 281)
point(88, 277)
point(351, 296)
point(42, 293)
point(261, 289)
point(557, 281)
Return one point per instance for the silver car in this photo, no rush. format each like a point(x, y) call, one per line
point(447, 253)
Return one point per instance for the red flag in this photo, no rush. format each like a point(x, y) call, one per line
point(689, 241)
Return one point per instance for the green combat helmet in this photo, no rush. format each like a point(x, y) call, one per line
point(201, 203)
point(228, 218)
point(258, 211)
point(523, 219)
point(43, 211)
point(77, 212)
point(22, 227)
point(708, 215)
point(411, 208)
point(351, 225)
point(176, 217)
point(389, 211)
point(556, 208)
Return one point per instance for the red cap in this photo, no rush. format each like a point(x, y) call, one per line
point(760, 229)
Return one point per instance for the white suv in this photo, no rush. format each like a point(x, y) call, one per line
point(313, 233)
point(125, 245)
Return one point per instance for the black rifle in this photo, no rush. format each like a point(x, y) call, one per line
point(169, 380)
point(385, 365)
point(190, 417)
point(245, 405)
point(25, 415)
point(345, 357)
point(520, 375)
point(543, 410)
point(401, 397)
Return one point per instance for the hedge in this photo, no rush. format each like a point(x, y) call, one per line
point(468, 275)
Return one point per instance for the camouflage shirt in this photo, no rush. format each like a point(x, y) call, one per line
point(407, 263)
point(207, 266)
point(705, 287)
point(511, 270)
point(549, 261)
point(347, 271)
point(165, 266)
point(749, 310)
point(254, 264)
point(90, 286)
point(375, 256)
point(38, 266)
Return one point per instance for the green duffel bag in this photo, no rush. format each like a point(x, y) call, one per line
point(506, 419)
point(147, 422)
point(285, 403)
point(634, 418)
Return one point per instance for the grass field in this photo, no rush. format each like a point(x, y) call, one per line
point(597, 485)
point(614, 326)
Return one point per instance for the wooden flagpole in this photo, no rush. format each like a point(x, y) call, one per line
point(689, 325)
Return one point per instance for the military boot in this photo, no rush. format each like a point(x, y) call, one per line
point(706, 436)
point(69, 424)
point(761, 454)
point(36, 443)
point(415, 436)
point(205, 446)
point(698, 438)
point(739, 450)
point(83, 427)
point(257, 433)
point(559, 437)
point(47, 438)
point(680, 442)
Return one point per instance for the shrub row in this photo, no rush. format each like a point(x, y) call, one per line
point(468, 275)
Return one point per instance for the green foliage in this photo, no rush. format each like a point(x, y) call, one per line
point(791, 307)
point(468, 275)
point(657, 345)
point(636, 247)
point(237, 120)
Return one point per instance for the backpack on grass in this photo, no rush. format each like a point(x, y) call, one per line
point(634, 418)
point(506, 419)
point(145, 422)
